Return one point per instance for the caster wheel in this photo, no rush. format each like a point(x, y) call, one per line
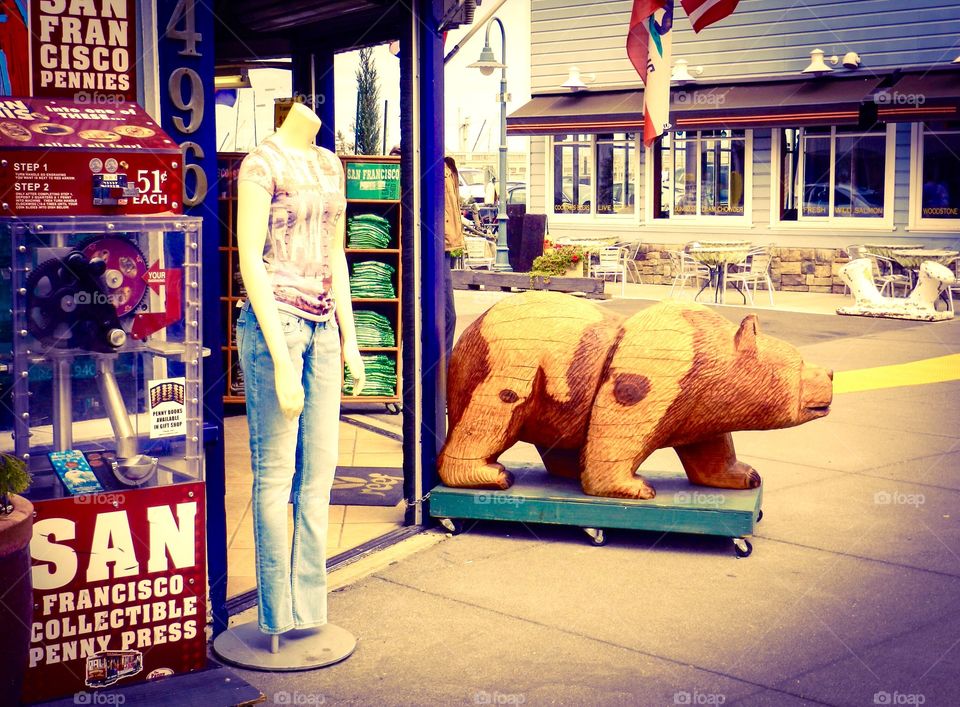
point(393, 408)
point(742, 547)
point(596, 535)
point(759, 515)
point(453, 526)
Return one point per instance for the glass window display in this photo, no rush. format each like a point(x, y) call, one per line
point(833, 173)
point(106, 351)
point(940, 170)
point(702, 173)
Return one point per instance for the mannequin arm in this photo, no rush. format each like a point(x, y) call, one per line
point(344, 307)
point(253, 213)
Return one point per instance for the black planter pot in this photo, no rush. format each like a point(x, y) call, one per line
point(16, 588)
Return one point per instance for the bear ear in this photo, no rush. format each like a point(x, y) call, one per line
point(745, 340)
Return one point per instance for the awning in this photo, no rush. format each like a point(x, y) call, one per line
point(581, 112)
point(788, 103)
point(791, 103)
point(933, 95)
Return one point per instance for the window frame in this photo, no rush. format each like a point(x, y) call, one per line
point(831, 222)
point(915, 220)
point(608, 218)
point(744, 220)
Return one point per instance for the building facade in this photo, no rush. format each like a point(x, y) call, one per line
point(759, 150)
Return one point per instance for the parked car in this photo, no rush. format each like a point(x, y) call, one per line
point(516, 192)
point(472, 186)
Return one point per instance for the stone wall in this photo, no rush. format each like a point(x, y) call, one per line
point(791, 269)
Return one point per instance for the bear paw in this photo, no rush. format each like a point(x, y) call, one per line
point(636, 488)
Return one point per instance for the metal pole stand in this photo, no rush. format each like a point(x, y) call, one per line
point(301, 649)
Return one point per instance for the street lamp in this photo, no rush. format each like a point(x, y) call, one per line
point(487, 63)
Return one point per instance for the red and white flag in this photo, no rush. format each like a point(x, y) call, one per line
point(648, 47)
point(704, 13)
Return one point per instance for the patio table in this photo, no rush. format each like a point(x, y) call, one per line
point(912, 258)
point(886, 250)
point(717, 258)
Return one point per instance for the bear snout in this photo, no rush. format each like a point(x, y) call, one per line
point(816, 392)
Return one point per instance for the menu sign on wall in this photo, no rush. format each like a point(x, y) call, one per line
point(84, 47)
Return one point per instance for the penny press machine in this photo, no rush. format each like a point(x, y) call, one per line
point(101, 359)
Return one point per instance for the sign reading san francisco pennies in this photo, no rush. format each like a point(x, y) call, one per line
point(119, 589)
point(84, 49)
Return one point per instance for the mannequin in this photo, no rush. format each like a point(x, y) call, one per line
point(290, 239)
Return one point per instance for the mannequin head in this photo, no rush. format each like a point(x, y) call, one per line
point(300, 127)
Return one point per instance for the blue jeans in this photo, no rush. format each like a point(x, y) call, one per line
point(300, 454)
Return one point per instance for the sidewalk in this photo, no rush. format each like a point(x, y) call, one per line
point(849, 598)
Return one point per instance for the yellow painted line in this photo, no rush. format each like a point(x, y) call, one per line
point(929, 370)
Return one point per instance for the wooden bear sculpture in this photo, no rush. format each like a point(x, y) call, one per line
point(597, 393)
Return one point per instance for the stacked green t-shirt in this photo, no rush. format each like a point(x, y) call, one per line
point(381, 373)
point(368, 231)
point(373, 329)
point(372, 279)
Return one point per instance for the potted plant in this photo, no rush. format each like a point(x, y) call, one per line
point(16, 586)
point(563, 260)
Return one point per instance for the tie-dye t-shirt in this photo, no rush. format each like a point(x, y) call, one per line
point(307, 194)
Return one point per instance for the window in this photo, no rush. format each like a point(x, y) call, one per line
point(594, 174)
point(701, 174)
point(571, 174)
point(829, 173)
point(938, 180)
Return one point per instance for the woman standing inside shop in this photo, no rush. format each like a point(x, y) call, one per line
point(290, 241)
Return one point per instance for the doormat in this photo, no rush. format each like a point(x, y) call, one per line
point(367, 486)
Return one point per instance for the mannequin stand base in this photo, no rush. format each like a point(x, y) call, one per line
point(301, 649)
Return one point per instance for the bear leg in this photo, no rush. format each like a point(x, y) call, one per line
point(468, 460)
point(713, 462)
point(615, 479)
point(561, 462)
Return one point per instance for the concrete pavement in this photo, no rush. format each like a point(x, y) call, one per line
point(851, 596)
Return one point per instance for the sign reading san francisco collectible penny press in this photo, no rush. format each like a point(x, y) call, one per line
point(119, 589)
point(61, 157)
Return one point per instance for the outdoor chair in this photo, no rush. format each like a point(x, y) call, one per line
point(684, 268)
point(631, 251)
point(477, 253)
point(611, 261)
point(754, 270)
point(885, 277)
point(954, 287)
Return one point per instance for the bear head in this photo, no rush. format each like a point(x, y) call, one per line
point(772, 385)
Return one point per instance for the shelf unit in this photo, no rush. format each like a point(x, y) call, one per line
point(231, 285)
point(389, 208)
point(231, 288)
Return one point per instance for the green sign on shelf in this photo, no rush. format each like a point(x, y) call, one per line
point(373, 180)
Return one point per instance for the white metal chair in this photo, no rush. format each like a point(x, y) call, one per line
point(954, 287)
point(631, 251)
point(754, 269)
point(477, 253)
point(885, 276)
point(684, 268)
point(611, 261)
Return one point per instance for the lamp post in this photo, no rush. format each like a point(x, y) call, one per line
point(487, 63)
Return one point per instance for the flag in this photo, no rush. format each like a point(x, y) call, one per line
point(704, 13)
point(648, 47)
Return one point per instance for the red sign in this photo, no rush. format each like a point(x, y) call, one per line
point(146, 323)
point(119, 589)
point(84, 49)
point(66, 158)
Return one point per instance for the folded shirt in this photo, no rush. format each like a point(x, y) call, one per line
point(381, 376)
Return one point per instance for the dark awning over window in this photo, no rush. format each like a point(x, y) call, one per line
point(792, 102)
point(932, 95)
point(582, 112)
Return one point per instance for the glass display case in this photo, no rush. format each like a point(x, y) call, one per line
point(101, 360)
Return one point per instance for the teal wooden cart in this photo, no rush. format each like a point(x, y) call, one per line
point(538, 497)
